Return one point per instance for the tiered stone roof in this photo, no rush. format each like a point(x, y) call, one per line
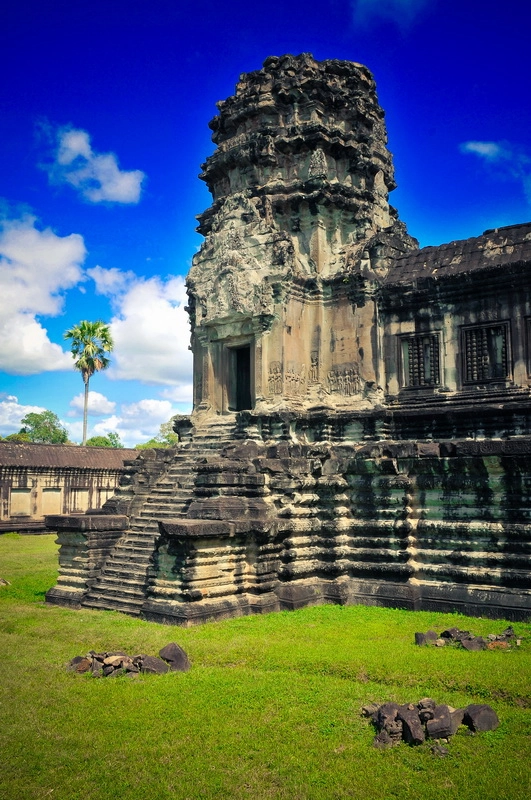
point(495, 248)
point(25, 454)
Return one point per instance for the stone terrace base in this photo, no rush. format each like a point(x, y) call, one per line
point(278, 524)
point(85, 542)
point(422, 526)
point(287, 597)
point(479, 602)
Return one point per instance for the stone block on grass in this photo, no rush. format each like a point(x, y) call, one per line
point(474, 644)
point(175, 657)
point(456, 716)
point(480, 717)
point(80, 664)
point(440, 727)
point(154, 665)
point(412, 730)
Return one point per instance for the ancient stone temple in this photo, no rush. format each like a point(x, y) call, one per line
point(361, 429)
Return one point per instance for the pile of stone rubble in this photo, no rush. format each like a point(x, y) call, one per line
point(172, 658)
point(453, 636)
point(414, 723)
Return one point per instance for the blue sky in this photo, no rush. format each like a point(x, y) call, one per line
point(105, 109)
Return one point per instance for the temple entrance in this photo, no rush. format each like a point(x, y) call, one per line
point(239, 378)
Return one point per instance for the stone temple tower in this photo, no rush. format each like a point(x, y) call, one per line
point(300, 182)
point(362, 418)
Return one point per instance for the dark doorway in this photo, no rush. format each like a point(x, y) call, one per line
point(239, 387)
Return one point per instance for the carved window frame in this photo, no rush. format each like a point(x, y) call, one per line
point(486, 353)
point(420, 360)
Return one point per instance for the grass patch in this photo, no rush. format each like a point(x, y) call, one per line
point(270, 708)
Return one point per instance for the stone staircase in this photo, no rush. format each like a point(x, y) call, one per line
point(121, 585)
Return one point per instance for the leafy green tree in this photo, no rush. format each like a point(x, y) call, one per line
point(114, 439)
point(43, 427)
point(91, 341)
point(166, 437)
point(16, 437)
point(149, 444)
point(111, 440)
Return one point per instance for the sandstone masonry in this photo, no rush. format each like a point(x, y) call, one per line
point(361, 429)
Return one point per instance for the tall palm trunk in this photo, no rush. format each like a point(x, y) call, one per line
point(85, 412)
point(90, 343)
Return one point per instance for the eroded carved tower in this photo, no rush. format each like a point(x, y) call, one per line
point(300, 182)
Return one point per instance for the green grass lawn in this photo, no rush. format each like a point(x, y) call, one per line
point(270, 708)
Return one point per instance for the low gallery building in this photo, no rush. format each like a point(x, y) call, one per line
point(41, 479)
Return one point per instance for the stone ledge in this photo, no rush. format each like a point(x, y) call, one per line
point(87, 522)
point(70, 598)
point(197, 528)
point(210, 610)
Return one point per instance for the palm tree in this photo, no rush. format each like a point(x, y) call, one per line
point(90, 342)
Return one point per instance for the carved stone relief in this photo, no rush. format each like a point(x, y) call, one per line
point(345, 381)
point(317, 167)
point(313, 375)
point(275, 378)
point(295, 379)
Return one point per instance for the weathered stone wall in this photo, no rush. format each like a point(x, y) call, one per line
point(446, 309)
point(417, 526)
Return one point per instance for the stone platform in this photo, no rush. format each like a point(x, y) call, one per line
point(272, 525)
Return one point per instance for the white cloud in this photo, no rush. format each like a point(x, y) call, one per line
point(96, 176)
point(182, 393)
point(136, 422)
point(402, 12)
point(75, 431)
point(490, 151)
point(150, 328)
point(110, 282)
point(98, 404)
point(504, 159)
point(11, 413)
point(36, 268)
point(150, 412)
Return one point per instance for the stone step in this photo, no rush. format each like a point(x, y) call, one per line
point(115, 582)
point(118, 560)
point(119, 588)
point(148, 524)
point(122, 581)
point(136, 553)
point(145, 525)
point(135, 541)
point(155, 508)
point(114, 604)
point(134, 538)
point(137, 560)
point(178, 495)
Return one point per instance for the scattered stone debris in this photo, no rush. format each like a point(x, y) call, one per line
point(453, 636)
point(172, 658)
point(414, 723)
